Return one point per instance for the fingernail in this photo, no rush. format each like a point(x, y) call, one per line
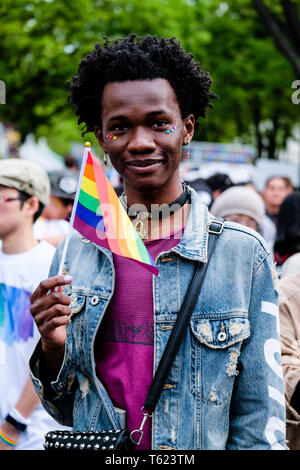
point(67, 278)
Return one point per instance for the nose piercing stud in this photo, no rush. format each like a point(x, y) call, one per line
point(111, 137)
point(171, 130)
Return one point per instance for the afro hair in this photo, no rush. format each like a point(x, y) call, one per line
point(138, 58)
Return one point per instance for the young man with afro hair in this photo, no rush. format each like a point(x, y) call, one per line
point(104, 325)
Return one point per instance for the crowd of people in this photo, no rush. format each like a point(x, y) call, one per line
point(275, 214)
point(78, 350)
point(270, 212)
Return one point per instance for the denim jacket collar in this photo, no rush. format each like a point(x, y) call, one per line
point(193, 244)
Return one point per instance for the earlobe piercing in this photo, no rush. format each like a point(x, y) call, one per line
point(105, 159)
point(186, 151)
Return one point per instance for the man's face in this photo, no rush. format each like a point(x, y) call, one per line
point(275, 192)
point(243, 219)
point(137, 114)
point(11, 214)
point(56, 209)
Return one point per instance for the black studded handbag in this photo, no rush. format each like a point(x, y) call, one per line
point(90, 440)
point(123, 439)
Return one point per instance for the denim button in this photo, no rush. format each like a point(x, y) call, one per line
point(83, 239)
point(95, 300)
point(222, 336)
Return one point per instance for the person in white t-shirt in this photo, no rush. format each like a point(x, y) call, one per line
point(24, 261)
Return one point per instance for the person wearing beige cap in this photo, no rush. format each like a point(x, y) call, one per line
point(24, 191)
point(241, 205)
point(25, 176)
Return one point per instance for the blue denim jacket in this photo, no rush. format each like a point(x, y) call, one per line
point(227, 389)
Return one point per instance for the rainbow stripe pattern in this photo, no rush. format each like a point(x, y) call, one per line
point(101, 218)
point(7, 441)
point(16, 322)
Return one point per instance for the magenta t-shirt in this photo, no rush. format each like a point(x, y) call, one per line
point(124, 342)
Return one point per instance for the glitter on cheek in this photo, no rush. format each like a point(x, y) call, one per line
point(168, 131)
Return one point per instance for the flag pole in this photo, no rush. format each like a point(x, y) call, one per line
point(67, 239)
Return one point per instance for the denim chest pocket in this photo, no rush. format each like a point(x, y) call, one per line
point(216, 347)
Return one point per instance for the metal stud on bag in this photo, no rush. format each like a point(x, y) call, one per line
point(104, 440)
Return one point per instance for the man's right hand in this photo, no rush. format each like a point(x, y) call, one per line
point(51, 312)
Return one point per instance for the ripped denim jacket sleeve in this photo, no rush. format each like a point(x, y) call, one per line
point(257, 405)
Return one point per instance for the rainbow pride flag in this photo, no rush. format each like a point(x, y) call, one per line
point(100, 217)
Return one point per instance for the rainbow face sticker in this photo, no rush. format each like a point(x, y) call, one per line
point(168, 131)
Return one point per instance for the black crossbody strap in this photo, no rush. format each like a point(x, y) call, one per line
point(182, 321)
point(178, 332)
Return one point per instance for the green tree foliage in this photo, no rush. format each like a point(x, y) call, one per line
point(252, 79)
point(43, 41)
point(282, 19)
